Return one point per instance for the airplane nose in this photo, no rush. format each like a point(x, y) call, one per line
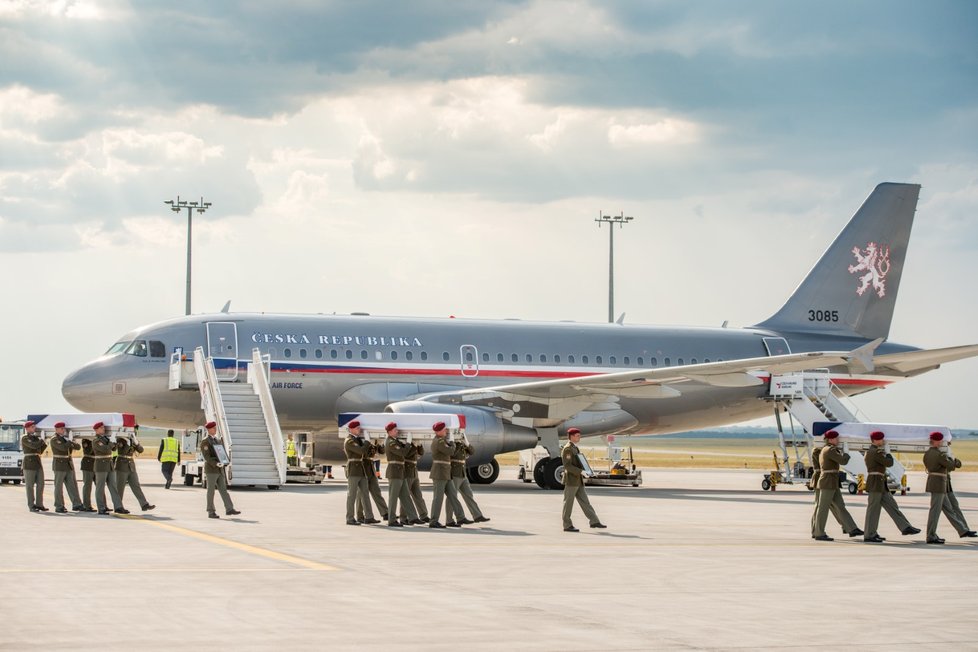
point(82, 386)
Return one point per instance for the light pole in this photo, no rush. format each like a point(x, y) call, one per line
point(611, 221)
point(191, 206)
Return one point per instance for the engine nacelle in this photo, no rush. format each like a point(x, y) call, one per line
point(487, 433)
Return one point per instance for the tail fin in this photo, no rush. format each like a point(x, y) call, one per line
point(853, 287)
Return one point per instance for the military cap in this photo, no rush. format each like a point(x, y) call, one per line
point(574, 431)
point(27, 424)
point(98, 424)
point(210, 424)
point(353, 424)
point(832, 434)
point(390, 426)
point(60, 424)
point(937, 436)
point(438, 427)
point(876, 435)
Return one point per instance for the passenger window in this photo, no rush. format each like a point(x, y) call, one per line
point(319, 353)
point(612, 360)
point(444, 356)
point(333, 354)
point(543, 357)
point(516, 358)
point(529, 357)
point(570, 359)
point(706, 359)
point(597, 359)
point(302, 353)
point(485, 357)
point(499, 357)
point(409, 355)
point(424, 355)
point(679, 361)
point(584, 359)
point(288, 353)
point(692, 361)
point(626, 361)
point(557, 358)
point(393, 355)
point(349, 354)
point(468, 356)
point(641, 361)
point(654, 362)
point(378, 355)
point(666, 362)
point(363, 354)
point(157, 349)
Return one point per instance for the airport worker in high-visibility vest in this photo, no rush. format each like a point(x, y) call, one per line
point(830, 498)
point(574, 483)
point(64, 470)
point(877, 461)
point(441, 476)
point(355, 447)
point(102, 452)
point(88, 474)
point(397, 484)
point(168, 456)
point(125, 471)
point(33, 446)
point(951, 508)
point(291, 455)
point(214, 470)
point(413, 483)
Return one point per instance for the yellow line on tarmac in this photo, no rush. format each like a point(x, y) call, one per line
point(244, 547)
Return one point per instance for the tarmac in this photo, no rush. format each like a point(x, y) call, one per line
point(692, 560)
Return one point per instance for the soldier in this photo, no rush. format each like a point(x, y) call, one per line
point(373, 484)
point(939, 464)
point(574, 483)
point(463, 450)
point(413, 483)
point(125, 471)
point(829, 496)
point(355, 448)
point(877, 461)
point(64, 470)
point(168, 456)
point(102, 449)
point(33, 446)
point(88, 475)
point(813, 482)
point(951, 508)
point(441, 476)
point(214, 470)
point(398, 490)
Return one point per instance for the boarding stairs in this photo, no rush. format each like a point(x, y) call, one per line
point(246, 420)
point(815, 405)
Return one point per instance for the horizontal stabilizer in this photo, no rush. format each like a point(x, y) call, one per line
point(910, 363)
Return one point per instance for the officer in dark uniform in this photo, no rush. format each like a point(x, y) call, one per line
point(397, 489)
point(125, 471)
point(33, 446)
point(102, 449)
point(64, 470)
point(830, 498)
point(574, 483)
point(441, 476)
point(877, 461)
point(88, 474)
point(214, 470)
point(355, 447)
point(413, 483)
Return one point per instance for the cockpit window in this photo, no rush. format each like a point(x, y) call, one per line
point(157, 349)
point(118, 347)
point(137, 348)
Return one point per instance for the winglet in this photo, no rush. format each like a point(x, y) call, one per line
point(227, 306)
point(621, 319)
point(861, 360)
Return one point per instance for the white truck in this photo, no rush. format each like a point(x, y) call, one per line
point(11, 455)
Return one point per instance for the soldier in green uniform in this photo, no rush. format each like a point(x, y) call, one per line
point(413, 483)
point(64, 470)
point(397, 486)
point(464, 450)
point(951, 508)
point(33, 446)
point(441, 476)
point(373, 484)
point(102, 449)
point(830, 498)
point(355, 447)
point(125, 471)
point(214, 470)
point(877, 461)
point(88, 475)
point(574, 483)
point(813, 482)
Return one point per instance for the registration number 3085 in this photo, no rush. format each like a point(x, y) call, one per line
point(823, 315)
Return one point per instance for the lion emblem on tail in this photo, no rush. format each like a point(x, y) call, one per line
point(875, 262)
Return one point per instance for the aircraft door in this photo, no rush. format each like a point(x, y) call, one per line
point(222, 346)
point(776, 346)
point(470, 360)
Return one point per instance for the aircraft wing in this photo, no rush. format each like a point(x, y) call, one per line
point(562, 398)
point(911, 363)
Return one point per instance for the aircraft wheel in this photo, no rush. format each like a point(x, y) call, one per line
point(484, 473)
point(554, 474)
point(188, 480)
point(273, 487)
point(16, 481)
point(3, 482)
point(538, 473)
point(766, 484)
point(853, 488)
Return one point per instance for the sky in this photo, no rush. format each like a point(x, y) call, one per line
point(450, 158)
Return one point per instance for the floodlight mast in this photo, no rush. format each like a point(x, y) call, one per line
point(611, 221)
point(200, 206)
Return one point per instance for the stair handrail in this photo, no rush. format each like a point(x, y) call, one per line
point(210, 399)
point(258, 378)
point(848, 403)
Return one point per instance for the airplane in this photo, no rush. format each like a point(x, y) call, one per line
point(518, 382)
